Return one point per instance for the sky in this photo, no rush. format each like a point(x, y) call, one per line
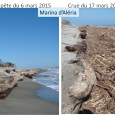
point(27, 40)
point(93, 16)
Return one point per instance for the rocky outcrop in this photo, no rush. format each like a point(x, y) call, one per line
point(9, 78)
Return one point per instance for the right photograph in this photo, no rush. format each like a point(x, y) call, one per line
point(88, 62)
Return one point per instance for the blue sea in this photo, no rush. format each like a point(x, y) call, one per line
point(50, 85)
point(110, 26)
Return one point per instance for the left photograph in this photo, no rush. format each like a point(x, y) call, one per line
point(29, 62)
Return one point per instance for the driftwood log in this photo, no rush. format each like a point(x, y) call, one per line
point(70, 48)
point(9, 79)
point(81, 89)
point(79, 47)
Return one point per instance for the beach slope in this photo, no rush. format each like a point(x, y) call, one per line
point(22, 100)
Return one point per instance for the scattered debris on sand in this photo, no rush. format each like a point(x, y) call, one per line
point(100, 53)
point(94, 89)
point(83, 34)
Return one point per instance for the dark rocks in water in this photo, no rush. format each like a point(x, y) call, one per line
point(42, 76)
point(46, 76)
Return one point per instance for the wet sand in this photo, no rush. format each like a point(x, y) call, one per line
point(48, 94)
point(22, 100)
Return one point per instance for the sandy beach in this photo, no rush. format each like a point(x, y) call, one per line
point(88, 70)
point(69, 37)
point(22, 100)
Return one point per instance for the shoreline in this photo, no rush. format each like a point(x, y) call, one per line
point(46, 93)
point(22, 100)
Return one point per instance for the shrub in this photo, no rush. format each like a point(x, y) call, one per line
point(65, 22)
point(8, 64)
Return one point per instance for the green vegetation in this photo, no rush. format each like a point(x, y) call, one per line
point(1, 62)
point(7, 64)
point(65, 22)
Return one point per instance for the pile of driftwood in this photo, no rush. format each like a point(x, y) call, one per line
point(100, 53)
point(83, 85)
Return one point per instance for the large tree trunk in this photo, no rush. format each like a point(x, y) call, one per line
point(81, 89)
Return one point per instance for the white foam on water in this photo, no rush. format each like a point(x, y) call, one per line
point(110, 26)
point(52, 81)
